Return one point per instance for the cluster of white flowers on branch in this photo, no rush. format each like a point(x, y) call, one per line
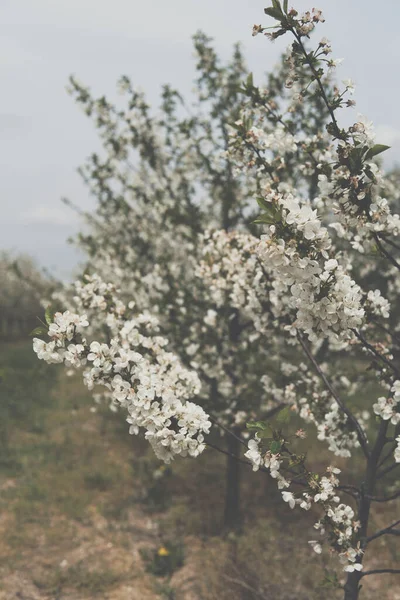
point(312, 249)
point(338, 521)
point(351, 181)
point(397, 450)
point(389, 408)
point(142, 376)
point(233, 274)
point(325, 299)
point(304, 392)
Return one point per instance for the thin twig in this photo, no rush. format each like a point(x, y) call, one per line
point(351, 491)
point(302, 482)
point(375, 352)
point(360, 433)
point(384, 531)
point(319, 83)
point(241, 460)
point(385, 329)
point(384, 498)
point(228, 431)
point(376, 571)
point(385, 252)
point(389, 241)
point(387, 470)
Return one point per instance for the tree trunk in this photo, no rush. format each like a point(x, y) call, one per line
point(352, 587)
point(232, 490)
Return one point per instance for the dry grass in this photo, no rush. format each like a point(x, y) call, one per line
point(79, 502)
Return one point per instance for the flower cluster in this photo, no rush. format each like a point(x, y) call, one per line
point(279, 141)
point(303, 392)
point(325, 300)
point(397, 450)
point(362, 214)
point(388, 408)
point(268, 460)
point(232, 272)
point(304, 23)
point(377, 304)
point(142, 376)
point(338, 520)
point(64, 328)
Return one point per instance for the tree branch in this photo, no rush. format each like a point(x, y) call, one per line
point(386, 530)
point(360, 433)
point(241, 460)
point(375, 352)
point(228, 431)
point(385, 253)
point(376, 571)
point(387, 470)
point(385, 498)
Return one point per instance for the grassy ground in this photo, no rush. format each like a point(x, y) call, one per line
point(86, 511)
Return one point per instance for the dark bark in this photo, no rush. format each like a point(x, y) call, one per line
point(352, 587)
point(232, 491)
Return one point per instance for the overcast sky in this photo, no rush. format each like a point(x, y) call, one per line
point(45, 137)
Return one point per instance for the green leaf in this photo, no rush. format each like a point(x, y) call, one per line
point(275, 447)
point(330, 580)
point(38, 331)
point(256, 425)
point(274, 13)
point(263, 203)
point(284, 415)
point(277, 4)
point(233, 125)
point(48, 315)
point(239, 89)
point(249, 80)
point(264, 220)
point(264, 435)
point(271, 214)
point(285, 6)
point(375, 150)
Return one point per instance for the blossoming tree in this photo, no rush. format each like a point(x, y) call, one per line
point(173, 233)
point(172, 174)
point(322, 303)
